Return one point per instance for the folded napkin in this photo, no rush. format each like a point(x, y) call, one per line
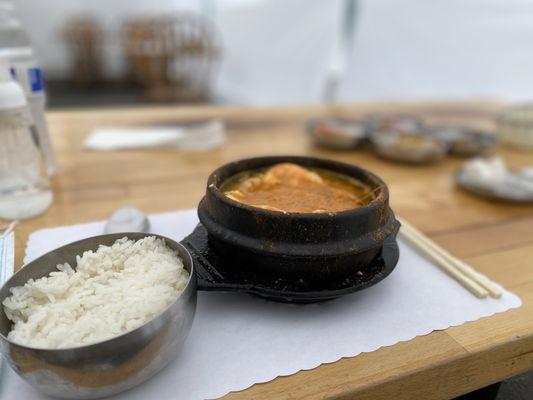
point(7, 256)
point(238, 340)
point(7, 262)
point(195, 137)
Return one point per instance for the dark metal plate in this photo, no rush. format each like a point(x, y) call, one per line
point(214, 274)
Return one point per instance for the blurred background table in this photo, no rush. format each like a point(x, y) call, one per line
point(495, 238)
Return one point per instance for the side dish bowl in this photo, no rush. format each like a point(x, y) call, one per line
point(108, 367)
point(408, 147)
point(336, 133)
point(465, 141)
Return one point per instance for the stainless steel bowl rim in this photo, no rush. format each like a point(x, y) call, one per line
point(122, 335)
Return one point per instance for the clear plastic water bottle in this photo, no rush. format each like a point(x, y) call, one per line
point(24, 187)
point(15, 47)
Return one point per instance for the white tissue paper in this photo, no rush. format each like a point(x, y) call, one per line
point(7, 256)
point(195, 137)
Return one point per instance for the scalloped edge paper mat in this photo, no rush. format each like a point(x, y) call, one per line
point(238, 340)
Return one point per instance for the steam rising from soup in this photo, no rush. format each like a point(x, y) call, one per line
point(290, 188)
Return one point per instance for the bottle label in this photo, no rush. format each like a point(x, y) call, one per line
point(35, 78)
point(30, 77)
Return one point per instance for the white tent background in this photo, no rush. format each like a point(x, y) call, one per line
point(278, 51)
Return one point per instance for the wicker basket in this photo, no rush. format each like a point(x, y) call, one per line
point(84, 35)
point(173, 58)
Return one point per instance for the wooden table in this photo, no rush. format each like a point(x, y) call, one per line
point(495, 238)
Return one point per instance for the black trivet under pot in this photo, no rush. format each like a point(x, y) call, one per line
point(215, 272)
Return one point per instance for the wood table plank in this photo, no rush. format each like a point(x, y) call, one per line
point(496, 238)
point(483, 238)
point(349, 377)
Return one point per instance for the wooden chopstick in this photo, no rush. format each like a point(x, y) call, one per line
point(492, 289)
point(471, 280)
point(446, 266)
point(8, 228)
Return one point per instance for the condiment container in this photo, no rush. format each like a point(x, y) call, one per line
point(24, 186)
point(515, 126)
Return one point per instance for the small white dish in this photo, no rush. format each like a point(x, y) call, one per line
point(490, 178)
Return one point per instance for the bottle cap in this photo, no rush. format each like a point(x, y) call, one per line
point(11, 93)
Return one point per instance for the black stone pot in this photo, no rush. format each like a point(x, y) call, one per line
point(313, 247)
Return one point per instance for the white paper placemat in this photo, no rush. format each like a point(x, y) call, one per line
point(238, 340)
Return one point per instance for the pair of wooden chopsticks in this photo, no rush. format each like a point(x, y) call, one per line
point(474, 282)
point(7, 229)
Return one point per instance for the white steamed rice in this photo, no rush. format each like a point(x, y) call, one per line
point(112, 291)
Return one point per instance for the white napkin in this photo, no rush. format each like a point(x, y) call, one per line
point(7, 255)
point(195, 137)
point(7, 263)
point(238, 340)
